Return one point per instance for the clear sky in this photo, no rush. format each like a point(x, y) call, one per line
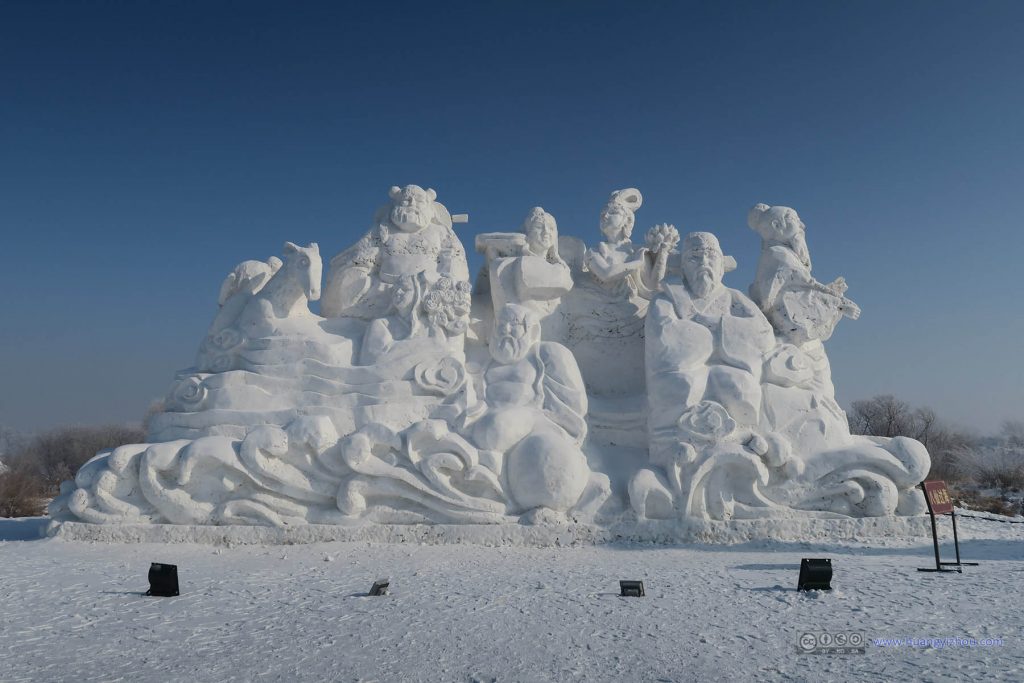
point(146, 148)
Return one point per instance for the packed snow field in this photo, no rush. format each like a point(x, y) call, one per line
point(75, 610)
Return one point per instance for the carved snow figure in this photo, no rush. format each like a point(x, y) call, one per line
point(609, 305)
point(605, 317)
point(413, 234)
point(850, 474)
point(252, 309)
point(622, 268)
point(804, 313)
point(535, 418)
point(523, 268)
point(255, 308)
point(747, 444)
point(705, 343)
point(516, 452)
point(403, 320)
point(801, 308)
point(248, 276)
point(439, 312)
point(408, 277)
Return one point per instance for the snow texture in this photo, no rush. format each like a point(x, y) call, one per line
point(75, 611)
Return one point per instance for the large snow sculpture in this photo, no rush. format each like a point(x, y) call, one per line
point(604, 385)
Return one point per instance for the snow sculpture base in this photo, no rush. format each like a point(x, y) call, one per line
point(506, 535)
point(574, 395)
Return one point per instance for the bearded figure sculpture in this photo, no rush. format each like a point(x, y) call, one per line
point(515, 454)
point(742, 423)
point(704, 349)
point(705, 343)
point(413, 234)
point(534, 420)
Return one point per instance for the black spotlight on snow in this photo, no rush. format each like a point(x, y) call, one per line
point(815, 575)
point(380, 587)
point(163, 580)
point(631, 589)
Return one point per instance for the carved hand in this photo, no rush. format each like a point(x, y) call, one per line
point(705, 320)
point(660, 264)
point(444, 261)
point(850, 309)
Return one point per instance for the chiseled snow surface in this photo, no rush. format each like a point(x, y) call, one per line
point(73, 610)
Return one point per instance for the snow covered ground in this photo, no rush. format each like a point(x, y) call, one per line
point(74, 610)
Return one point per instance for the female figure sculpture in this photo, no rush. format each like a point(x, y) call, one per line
point(605, 313)
point(624, 269)
point(801, 308)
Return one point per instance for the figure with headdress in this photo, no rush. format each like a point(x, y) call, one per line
point(604, 315)
point(620, 266)
point(804, 313)
point(799, 307)
point(411, 235)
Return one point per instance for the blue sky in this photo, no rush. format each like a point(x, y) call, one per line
point(145, 148)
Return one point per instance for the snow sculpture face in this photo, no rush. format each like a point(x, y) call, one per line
point(616, 222)
point(305, 265)
point(404, 295)
point(412, 207)
point(516, 330)
point(703, 263)
point(541, 231)
point(780, 224)
point(619, 215)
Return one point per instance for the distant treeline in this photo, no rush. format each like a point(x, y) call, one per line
point(33, 468)
point(985, 472)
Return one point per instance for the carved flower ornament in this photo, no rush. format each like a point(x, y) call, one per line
point(662, 235)
point(189, 393)
point(707, 422)
point(447, 305)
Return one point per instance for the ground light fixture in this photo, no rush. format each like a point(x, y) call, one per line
point(380, 587)
point(631, 589)
point(163, 580)
point(815, 575)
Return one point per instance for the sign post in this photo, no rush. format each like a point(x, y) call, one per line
point(939, 503)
